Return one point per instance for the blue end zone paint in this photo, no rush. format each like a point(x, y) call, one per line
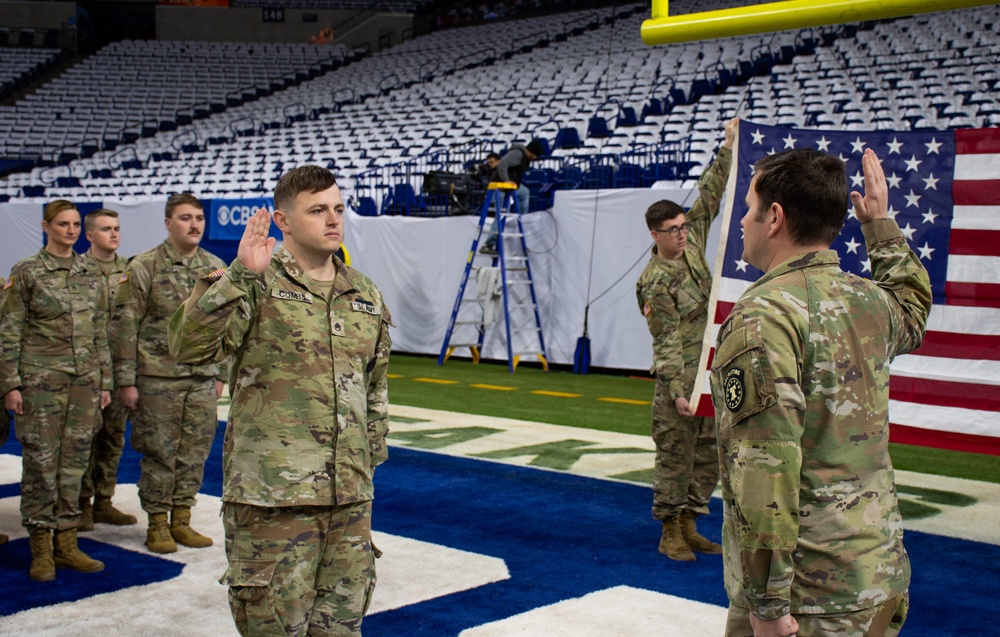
point(123, 569)
point(563, 536)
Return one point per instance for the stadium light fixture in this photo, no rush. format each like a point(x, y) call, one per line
point(780, 16)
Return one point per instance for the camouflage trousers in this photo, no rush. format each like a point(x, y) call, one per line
point(173, 429)
point(884, 620)
point(105, 452)
point(55, 430)
point(297, 571)
point(687, 458)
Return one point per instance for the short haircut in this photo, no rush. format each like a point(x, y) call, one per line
point(91, 219)
point(181, 199)
point(311, 179)
point(663, 210)
point(811, 188)
point(53, 208)
point(493, 156)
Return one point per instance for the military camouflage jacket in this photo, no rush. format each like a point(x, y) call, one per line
point(800, 385)
point(309, 415)
point(154, 285)
point(53, 318)
point(673, 294)
point(113, 278)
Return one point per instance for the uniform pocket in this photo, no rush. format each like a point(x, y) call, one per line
point(744, 381)
point(251, 598)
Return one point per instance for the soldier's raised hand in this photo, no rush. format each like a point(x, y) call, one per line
point(732, 126)
point(256, 247)
point(875, 202)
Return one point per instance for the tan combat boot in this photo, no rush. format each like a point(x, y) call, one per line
point(180, 529)
point(68, 555)
point(106, 513)
point(158, 538)
point(672, 543)
point(86, 522)
point(689, 531)
point(43, 568)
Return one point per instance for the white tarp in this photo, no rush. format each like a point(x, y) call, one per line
point(418, 264)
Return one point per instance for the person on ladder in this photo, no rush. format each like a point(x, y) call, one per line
point(511, 168)
point(673, 293)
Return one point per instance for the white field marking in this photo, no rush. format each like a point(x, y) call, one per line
point(410, 572)
point(621, 610)
point(954, 521)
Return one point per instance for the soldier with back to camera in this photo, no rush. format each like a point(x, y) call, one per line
point(813, 540)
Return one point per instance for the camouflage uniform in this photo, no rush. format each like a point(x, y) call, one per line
point(306, 429)
point(109, 442)
point(176, 419)
point(800, 385)
point(673, 296)
point(55, 350)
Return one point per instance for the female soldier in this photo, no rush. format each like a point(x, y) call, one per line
point(55, 373)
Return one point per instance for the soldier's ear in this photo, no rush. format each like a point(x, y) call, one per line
point(776, 219)
point(281, 220)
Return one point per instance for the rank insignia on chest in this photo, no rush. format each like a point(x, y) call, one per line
point(336, 326)
point(735, 389)
point(367, 307)
point(292, 295)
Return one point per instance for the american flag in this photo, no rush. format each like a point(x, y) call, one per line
point(944, 192)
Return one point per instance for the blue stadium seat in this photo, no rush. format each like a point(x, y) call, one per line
point(598, 127)
point(567, 138)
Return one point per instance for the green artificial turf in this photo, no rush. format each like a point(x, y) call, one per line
point(455, 390)
point(585, 411)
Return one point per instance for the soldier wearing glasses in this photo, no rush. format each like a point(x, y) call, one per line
point(673, 294)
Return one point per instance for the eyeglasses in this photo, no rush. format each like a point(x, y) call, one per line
point(676, 229)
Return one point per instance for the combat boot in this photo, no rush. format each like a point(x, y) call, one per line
point(43, 567)
point(183, 534)
point(694, 540)
point(68, 555)
point(158, 538)
point(672, 543)
point(86, 522)
point(106, 513)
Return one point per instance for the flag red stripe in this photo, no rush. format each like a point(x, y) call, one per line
point(977, 141)
point(722, 310)
point(971, 443)
point(925, 391)
point(980, 243)
point(972, 294)
point(978, 192)
point(955, 345)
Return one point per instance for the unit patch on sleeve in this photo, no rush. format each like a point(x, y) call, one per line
point(734, 388)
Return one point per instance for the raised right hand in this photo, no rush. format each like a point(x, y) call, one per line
point(256, 247)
